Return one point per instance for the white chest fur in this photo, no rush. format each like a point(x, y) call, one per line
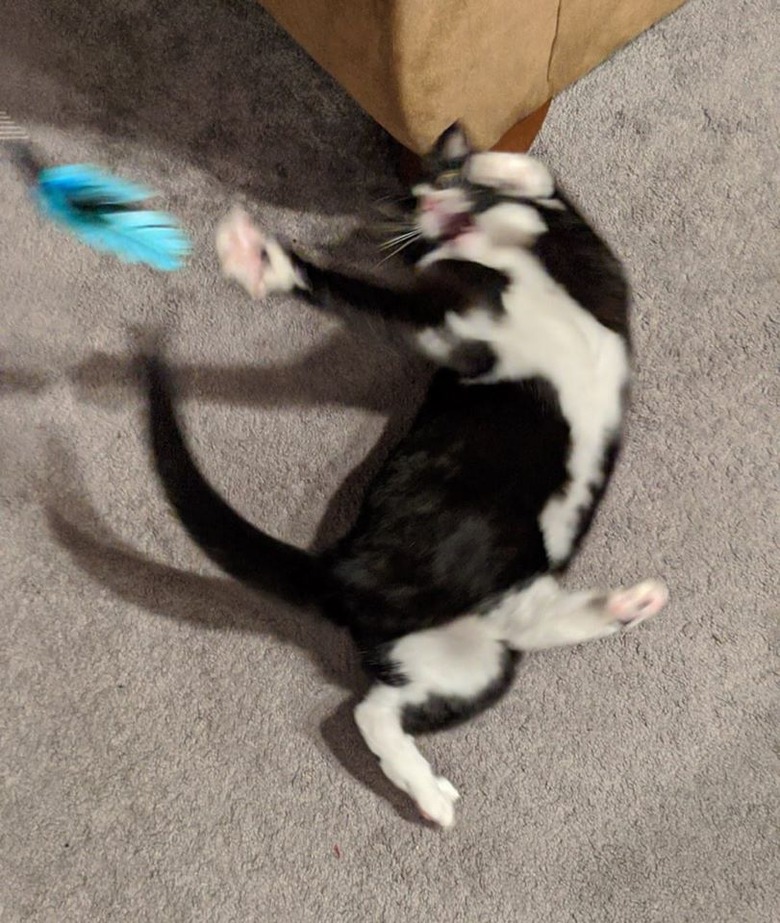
point(546, 333)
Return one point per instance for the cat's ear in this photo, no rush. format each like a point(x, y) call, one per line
point(452, 146)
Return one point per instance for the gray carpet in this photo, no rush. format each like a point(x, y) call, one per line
point(175, 749)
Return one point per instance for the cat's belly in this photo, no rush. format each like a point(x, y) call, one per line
point(592, 402)
point(544, 333)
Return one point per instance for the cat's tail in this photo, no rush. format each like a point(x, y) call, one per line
point(239, 548)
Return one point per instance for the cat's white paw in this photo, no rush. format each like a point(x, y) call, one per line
point(514, 173)
point(436, 802)
point(637, 603)
point(256, 261)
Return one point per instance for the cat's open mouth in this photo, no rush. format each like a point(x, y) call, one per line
point(455, 225)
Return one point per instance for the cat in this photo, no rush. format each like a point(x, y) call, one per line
point(449, 572)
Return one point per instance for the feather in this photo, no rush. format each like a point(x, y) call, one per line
point(106, 212)
point(102, 210)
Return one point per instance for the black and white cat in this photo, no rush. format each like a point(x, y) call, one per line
point(449, 571)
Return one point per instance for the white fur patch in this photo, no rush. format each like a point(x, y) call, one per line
point(256, 261)
point(544, 615)
point(281, 275)
point(513, 173)
point(434, 344)
point(378, 718)
point(553, 203)
point(459, 659)
point(465, 657)
point(511, 224)
point(544, 332)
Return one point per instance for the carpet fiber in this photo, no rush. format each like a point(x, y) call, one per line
point(175, 749)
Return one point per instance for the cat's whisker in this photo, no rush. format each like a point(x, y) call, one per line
point(394, 210)
point(399, 238)
point(392, 226)
point(390, 197)
point(402, 245)
point(399, 248)
point(405, 232)
point(398, 244)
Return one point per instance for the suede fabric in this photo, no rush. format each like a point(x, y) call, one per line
point(417, 65)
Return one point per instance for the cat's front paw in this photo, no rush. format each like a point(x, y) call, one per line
point(256, 261)
point(516, 174)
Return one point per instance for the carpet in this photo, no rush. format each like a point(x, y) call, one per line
point(176, 749)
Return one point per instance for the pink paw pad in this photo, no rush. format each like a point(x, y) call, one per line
point(241, 248)
point(638, 602)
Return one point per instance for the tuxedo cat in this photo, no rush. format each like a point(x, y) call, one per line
point(449, 572)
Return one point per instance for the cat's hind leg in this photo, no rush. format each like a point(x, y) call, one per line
point(544, 615)
point(442, 676)
point(379, 718)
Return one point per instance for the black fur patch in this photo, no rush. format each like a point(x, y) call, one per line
point(587, 512)
point(481, 285)
point(449, 153)
point(579, 260)
point(472, 358)
point(423, 301)
point(379, 665)
point(453, 516)
point(439, 713)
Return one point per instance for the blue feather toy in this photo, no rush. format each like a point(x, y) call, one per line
point(103, 211)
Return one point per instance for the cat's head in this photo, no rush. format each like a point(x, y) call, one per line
point(494, 194)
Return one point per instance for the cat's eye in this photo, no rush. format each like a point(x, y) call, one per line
point(447, 178)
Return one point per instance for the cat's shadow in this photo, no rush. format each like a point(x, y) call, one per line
point(222, 88)
point(333, 372)
point(216, 603)
point(211, 603)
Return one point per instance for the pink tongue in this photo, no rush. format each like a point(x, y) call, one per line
point(457, 224)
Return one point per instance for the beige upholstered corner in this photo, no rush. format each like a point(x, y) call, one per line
point(417, 65)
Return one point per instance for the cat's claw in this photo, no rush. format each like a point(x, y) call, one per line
point(637, 603)
point(256, 261)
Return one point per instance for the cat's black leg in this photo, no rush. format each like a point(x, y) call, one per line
point(261, 265)
point(416, 303)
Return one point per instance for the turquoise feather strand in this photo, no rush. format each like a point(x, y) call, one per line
point(106, 213)
point(102, 210)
